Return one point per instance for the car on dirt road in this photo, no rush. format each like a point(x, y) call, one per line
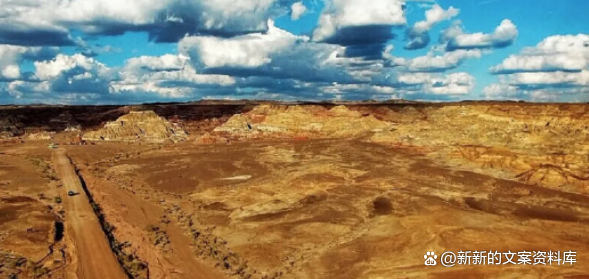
point(72, 193)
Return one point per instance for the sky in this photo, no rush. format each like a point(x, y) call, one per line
point(141, 51)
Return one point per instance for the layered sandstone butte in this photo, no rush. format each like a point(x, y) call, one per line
point(298, 121)
point(144, 126)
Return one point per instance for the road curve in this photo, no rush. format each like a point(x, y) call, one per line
point(94, 257)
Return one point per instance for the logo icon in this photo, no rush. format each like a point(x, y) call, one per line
point(430, 258)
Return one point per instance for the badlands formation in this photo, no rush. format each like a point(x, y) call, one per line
point(302, 122)
point(535, 144)
point(138, 126)
point(310, 191)
point(10, 126)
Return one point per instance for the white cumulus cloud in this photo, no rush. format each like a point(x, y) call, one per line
point(503, 36)
point(555, 69)
point(440, 63)
point(11, 57)
point(434, 16)
point(276, 54)
point(339, 14)
point(452, 84)
point(169, 75)
point(555, 53)
point(418, 35)
point(50, 22)
point(298, 9)
point(247, 51)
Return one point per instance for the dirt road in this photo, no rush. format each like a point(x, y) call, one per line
point(94, 256)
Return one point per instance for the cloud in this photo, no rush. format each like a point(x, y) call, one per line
point(78, 79)
point(248, 51)
point(441, 63)
point(167, 76)
point(164, 63)
point(278, 62)
point(49, 22)
point(503, 36)
point(416, 40)
point(568, 53)
point(434, 16)
point(90, 50)
point(12, 56)
point(555, 69)
point(20, 89)
point(10, 72)
point(504, 91)
point(75, 74)
point(30, 23)
point(277, 54)
point(559, 85)
point(229, 48)
point(349, 13)
point(549, 78)
point(65, 77)
point(501, 92)
point(33, 37)
point(435, 84)
point(418, 35)
point(219, 18)
point(298, 9)
point(362, 26)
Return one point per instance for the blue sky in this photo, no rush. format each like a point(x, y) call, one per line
point(124, 51)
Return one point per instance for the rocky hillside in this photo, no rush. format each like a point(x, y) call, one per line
point(537, 144)
point(10, 126)
point(304, 122)
point(144, 126)
point(65, 122)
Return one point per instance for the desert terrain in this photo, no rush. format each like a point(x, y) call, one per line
point(291, 190)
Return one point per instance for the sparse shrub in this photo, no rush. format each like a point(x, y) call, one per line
point(46, 168)
point(152, 228)
point(58, 200)
point(108, 227)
